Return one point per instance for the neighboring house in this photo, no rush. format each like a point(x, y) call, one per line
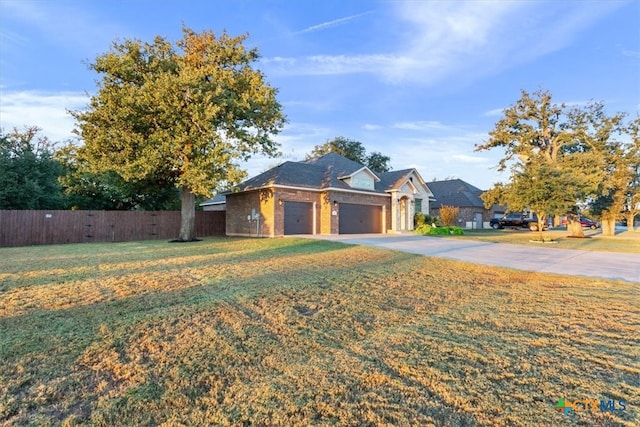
point(326, 195)
point(218, 203)
point(466, 197)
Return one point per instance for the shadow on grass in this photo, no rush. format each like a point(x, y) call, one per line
point(48, 330)
point(208, 253)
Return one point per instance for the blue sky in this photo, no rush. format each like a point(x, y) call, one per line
point(420, 81)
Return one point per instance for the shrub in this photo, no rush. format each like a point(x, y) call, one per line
point(423, 229)
point(422, 219)
point(427, 230)
point(433, 220)
point(449, 214)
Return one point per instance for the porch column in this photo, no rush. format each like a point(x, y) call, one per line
point(411, 213)
point(394, 212)
point(384, 219)
point(314, 217)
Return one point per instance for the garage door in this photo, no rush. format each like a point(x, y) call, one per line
point(298, 218)
point(356, 219)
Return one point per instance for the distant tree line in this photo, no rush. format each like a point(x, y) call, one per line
point(35, 174)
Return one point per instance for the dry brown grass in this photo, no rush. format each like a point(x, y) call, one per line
point(297, 332)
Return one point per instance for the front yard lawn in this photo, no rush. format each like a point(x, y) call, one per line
point(304, 332)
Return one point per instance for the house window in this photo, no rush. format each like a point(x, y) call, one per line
point(418, 205)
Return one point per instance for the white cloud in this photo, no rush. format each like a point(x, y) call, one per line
point(11, 39)
point(371, 127)
point(465, 158)
point(323, 65)
point(48, 111)
point(333, 23)
point(459, 40)
point(64, 23)
point(452, 38)
point(278, 61)
point(631, 53)
point(420, 125)
point(314, 105)
point(494, 113)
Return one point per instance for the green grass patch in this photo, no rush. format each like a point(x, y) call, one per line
point(304, 332)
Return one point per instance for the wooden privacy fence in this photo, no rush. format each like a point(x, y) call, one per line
point(22, 228)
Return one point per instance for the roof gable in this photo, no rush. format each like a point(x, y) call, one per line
point(362, 178)
point(395, 180)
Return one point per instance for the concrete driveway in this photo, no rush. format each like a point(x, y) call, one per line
point(608, 265)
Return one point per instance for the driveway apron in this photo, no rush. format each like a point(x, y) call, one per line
point(607, 265)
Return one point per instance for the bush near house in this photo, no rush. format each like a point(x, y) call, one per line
point(422, 219)
point(427, 230)
point(449, 214)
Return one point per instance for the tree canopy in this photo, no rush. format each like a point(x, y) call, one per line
point(558, 156)
point(185, 114)
point(28, 172)
point(107, 190)
point(353, 150)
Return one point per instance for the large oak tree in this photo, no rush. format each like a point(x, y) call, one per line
point(559, 156)
point(184, 114)
point(536, 135)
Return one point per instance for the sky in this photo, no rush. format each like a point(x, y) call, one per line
point(423, 82)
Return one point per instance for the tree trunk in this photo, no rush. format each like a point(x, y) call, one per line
point(540, 236)
point(608, 227)
point(188, 216)
point(630, 218)
point(574, 227)
point(541, 221)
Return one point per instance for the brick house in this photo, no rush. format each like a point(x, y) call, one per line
point(466, 197)
point(326, 195)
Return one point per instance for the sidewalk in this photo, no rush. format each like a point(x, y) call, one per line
point(607, 265)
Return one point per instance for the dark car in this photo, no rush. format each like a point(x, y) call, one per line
point(587, 223)
point(517, 220)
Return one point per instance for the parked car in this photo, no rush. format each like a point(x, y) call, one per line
point(586, 222)
point(517, 220)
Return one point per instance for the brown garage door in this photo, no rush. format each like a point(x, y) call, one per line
point(298, 218)
point(356, 219)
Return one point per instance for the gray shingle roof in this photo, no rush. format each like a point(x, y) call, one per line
point(320, 172)
point(340, 165)
point(219, 198)
point(288, 173)
point(455, 192)
point(393, 179)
